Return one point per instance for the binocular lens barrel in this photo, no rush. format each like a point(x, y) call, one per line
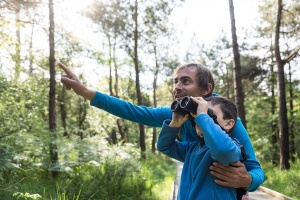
point(185, 106)
point(188, 104)
point(175, 107)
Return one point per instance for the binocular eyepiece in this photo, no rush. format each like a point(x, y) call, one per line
point(185, 106)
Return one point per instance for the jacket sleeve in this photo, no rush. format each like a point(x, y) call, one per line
point(143, 115)
point(252, 164)
point(168, 145)
point(222, 147)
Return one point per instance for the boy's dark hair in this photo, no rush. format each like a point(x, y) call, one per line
point(227, 107)
point(203, 73)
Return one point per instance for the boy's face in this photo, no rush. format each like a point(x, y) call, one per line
point(218, 112)
point(226, 124)
point(186, 84)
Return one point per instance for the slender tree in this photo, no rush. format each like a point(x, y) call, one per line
point(292, 120)
point(274, 129)
point(108, 15)
point(52, 102)
point(284, 129)
point(267, 14)
point(156, 23)
point(17, 56)
point(238, 86)
point(137, 76)
point(156, 70)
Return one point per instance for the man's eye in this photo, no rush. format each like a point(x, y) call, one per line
point(185, 82)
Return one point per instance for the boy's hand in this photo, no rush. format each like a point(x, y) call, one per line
point(202, 105)
point(178, 120)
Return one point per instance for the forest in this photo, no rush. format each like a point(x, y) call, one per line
point(55, 145)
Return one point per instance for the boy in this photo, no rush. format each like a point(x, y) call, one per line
point(214, 144)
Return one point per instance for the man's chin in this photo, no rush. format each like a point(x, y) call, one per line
point(179, 98)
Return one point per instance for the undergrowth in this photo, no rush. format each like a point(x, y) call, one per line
point(113, 178)
point(286, 182)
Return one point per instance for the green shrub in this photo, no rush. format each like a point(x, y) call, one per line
point(117, 174)
point(286, 182)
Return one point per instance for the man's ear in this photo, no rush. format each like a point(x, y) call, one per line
point(229, 124)
point(208, 89)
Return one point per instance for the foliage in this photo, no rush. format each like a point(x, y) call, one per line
point(286, 182)
point(119, 174)
point(90, 167)
point(26, 196)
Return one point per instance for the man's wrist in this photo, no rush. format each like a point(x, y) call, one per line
point(89, 94)
point(249, 183)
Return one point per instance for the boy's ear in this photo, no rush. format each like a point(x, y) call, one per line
point(229, 124)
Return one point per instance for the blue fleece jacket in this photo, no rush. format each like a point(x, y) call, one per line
point(196, 181)
point(155, 117)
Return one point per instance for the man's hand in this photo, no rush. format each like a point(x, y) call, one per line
point(235, 175)
point(71, 81)
point(178, 120)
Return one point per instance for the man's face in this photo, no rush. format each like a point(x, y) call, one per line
point(186, 84)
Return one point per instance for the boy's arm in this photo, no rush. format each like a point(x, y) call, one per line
point(222, 147)
point(235, 175)
point(168, 145)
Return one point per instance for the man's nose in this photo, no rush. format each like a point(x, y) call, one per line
point(178, 86)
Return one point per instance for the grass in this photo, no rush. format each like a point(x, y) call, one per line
point(132, 179)
point(286, 182)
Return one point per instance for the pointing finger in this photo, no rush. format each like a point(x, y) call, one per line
point(68, 72)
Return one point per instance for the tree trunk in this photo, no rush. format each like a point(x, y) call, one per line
point(116, 69)
point(114, 135)
point(52, 103)
point(121, 131)
point(110, 66)
point(116, 86)
point(17, 57)
point(30, 50)
point(137, 82)
point(154, 135)
point(274, 137)
point(238, 87)
point(63, 110)
point(283, 122)
point(292, 142)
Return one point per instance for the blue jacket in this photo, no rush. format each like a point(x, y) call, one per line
point(196, 181)
point(155, 117)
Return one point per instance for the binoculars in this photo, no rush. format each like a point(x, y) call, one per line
point(185, 106)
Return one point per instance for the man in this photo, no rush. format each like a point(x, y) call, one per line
point(190, 80)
